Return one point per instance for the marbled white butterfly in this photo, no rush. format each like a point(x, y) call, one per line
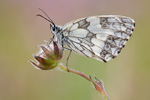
point(101, 37)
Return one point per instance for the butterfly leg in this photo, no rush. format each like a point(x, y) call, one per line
point(51, 39)
point(70, 51)
point(48, 43)
point(68, 60)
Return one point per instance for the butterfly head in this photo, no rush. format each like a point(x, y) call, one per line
point(53, 27)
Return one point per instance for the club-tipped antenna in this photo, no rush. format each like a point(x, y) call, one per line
point(49, 19)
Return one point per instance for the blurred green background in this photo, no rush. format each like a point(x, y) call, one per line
point(125, 78)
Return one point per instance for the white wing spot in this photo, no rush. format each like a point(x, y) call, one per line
point(124, 36)
point(97, 42)
point(127, 20)
point(123, 28)
point(96, 50)
point(86, 46)
point(79, 33)
point(78, 46)
point(89, 19)
point(113, 50)
point(107, 31)
point(108, 57)
point(95, 28)
point(95, 22)
point(117, 41)
point(101, 36)
point(75, 26)
point(116, 26)
point(118, 33)
point(74, 39)
point(111, 20)
point(66, 26)
point(89, 54)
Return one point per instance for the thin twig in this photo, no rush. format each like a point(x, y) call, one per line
point(97, 83)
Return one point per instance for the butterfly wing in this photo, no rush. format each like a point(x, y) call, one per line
point(100, 37)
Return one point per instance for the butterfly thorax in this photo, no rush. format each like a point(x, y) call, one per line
point(58, 34)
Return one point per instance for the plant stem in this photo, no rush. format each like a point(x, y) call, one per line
point(97, 83)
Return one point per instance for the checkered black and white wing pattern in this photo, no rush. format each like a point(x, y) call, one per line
point(100, 37)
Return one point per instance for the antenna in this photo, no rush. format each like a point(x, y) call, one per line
point(49, 19)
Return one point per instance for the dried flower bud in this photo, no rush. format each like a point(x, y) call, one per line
point(49, 57)
point(99, 87)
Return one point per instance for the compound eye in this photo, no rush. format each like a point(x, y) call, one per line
point(53, 28)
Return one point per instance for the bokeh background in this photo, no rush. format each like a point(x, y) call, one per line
point(125, 78)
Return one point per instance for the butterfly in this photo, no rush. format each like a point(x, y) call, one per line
point(101, 37)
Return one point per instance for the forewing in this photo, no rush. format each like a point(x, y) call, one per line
point(100, 37)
